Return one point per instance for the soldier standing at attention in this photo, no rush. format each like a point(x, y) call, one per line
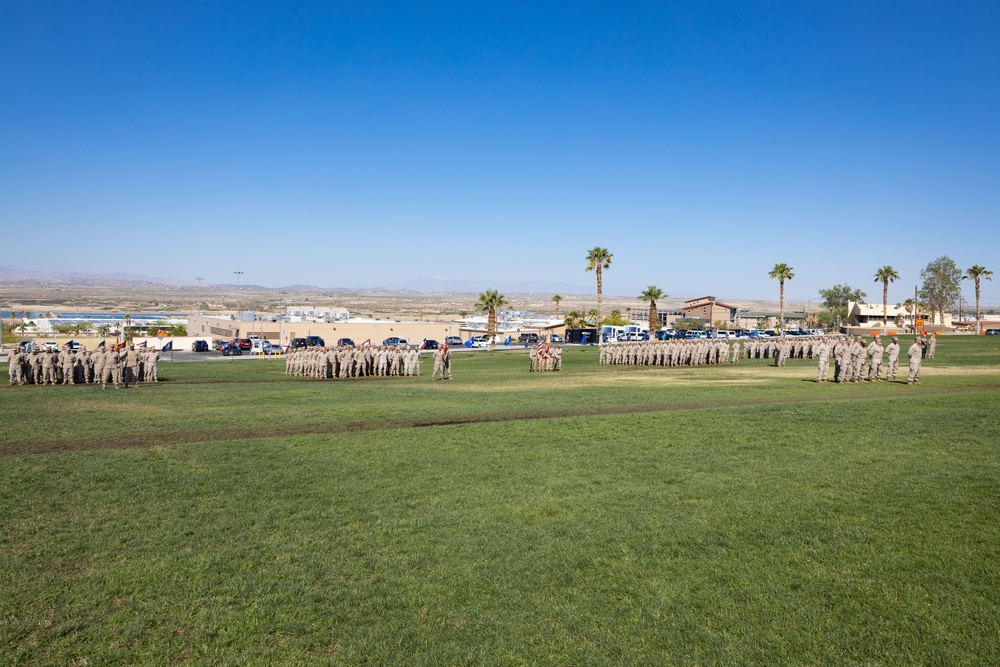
point(65, 363)
point(438, 363)
point(14, 360)
point(858, 360)
point(35, 365)
point(823, 354)
point(931, 345)
point(892, 350)
point(131, 366)
point(874, 353)
point(48, 368)
point(152, 372)
point(88, 368)
point(447, 362)
point(840, 359)
point(916, 355)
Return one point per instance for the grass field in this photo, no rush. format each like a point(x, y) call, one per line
point(715, 515)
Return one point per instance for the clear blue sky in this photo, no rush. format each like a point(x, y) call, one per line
point(363, 143)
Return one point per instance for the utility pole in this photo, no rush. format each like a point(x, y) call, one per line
point(237, 318)
point(200, 280)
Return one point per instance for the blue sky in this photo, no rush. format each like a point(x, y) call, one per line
point(357, 144)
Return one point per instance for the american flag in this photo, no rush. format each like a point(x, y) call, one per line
point(541, 346)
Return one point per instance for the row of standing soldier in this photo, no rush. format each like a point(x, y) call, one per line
point(117, 366)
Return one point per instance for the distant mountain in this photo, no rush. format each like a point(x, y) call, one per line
point(80, 278)
point(444, 285)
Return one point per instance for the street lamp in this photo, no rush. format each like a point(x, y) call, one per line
point(238, 274)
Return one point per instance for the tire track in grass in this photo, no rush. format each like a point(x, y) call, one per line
point(159, 439)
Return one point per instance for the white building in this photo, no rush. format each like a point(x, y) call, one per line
point(870, 315)
point(306, 313)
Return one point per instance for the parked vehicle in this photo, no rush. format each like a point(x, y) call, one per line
point(454, 340)
point(428, 344)
point(394, 341)
point(270, 349)
point(199, 346)
point(232, 349)
point(993, 332)
point(315, 341)
point(345, 342)
point(479, 341)
point(244, 343)
point(556, 338)
point(531, 338)
point(297, 343)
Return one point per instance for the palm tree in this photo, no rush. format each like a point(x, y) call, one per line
point(489, 302)
point(885, 275)
point(574, 319)
point(599, 259)
point(651, 294)
point(593, 316)
point(977, 273)
point(781, 273)
point(556, 299)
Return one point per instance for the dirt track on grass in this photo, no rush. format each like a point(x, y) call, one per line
point(338, 427)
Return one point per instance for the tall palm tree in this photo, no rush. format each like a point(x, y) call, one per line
point(977, 273)
point(556, 299)
point(599, 259)
point(885, 275)
point(490, 302)
point(781, 273)
point(652, 294)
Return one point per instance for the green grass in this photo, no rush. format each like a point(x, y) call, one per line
point(596, 516)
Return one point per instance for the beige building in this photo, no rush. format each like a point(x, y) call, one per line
point(711, 311)
point(359, 330)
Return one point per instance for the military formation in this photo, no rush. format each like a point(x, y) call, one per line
point(853, 360)
point(544, 358)
point(706, 351)
point(341, 363)
point(856, 362)
point(119, 367)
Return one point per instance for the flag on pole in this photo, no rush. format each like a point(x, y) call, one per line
point(100, 346)
point(367, 343)
point(169, 346)
point(507, 342)
point(141, 345)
